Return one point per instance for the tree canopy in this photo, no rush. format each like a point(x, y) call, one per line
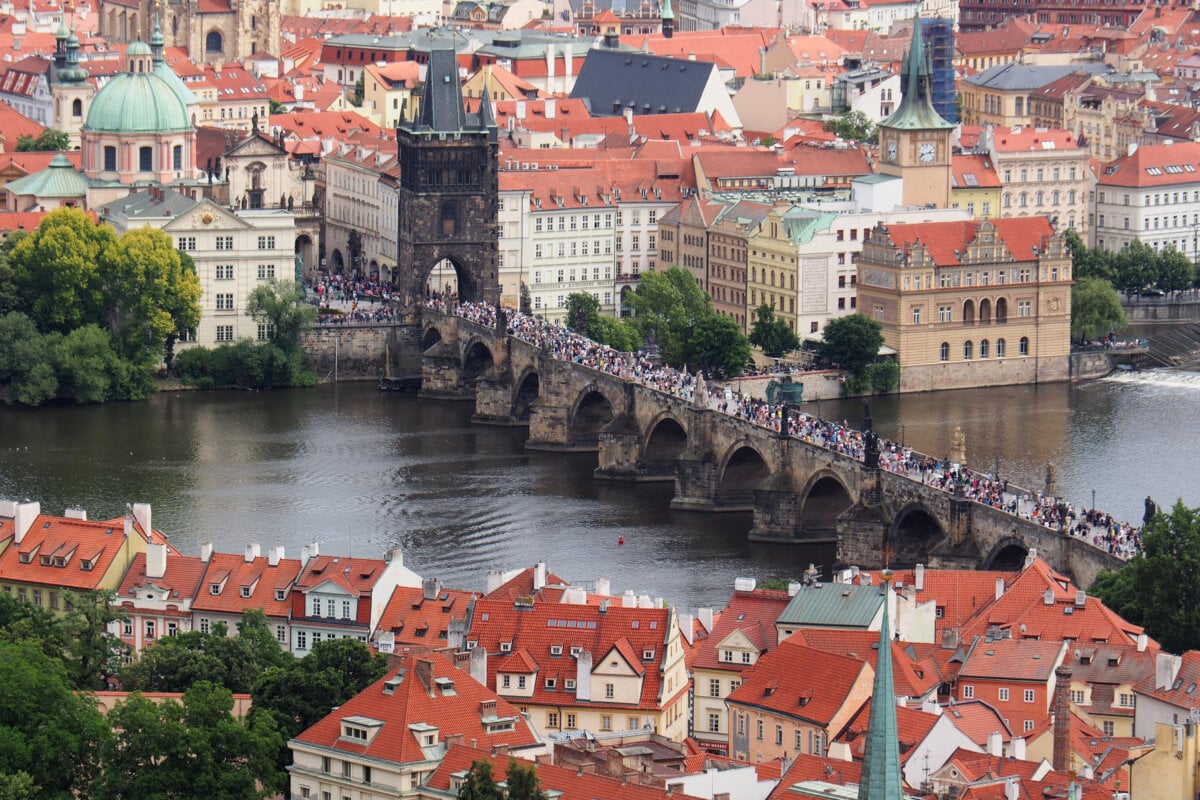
point(521, 782)
point(1095, 309)
point(1160, 588)
point(772, 333)
point(583, 311)
point(853, 125)
point(46, 141)
point(852, 342)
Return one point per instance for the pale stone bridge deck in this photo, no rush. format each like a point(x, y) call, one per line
point(797, 491)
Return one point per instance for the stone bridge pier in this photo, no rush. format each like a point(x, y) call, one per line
point(796, 491)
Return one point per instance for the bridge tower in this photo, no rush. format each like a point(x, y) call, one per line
point(449, 188)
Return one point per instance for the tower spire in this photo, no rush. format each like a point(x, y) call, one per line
point(916, 111)
point(156, 38)
point(668, 20)
point(881, 758)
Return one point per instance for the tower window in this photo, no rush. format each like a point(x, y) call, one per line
point(77, 108)
point(146, 159)
point(213, 42)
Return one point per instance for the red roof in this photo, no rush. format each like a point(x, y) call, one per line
point(801, 681)
point(357, 576)
point(424, 689)
point(915, 673)
point(417, 619)
point(1154, 165)
point(945, 240)
point(243, 584)
point(816, 768)
point(754, 614)
point(977, 720)
point(912, 726)
point(980, 168)
point(181, 578)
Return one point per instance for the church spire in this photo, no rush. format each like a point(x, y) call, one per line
point(916, 111)
point(668, 20)
point(881, 758)
point(156, 38)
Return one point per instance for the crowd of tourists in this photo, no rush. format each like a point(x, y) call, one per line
point(1101, 530)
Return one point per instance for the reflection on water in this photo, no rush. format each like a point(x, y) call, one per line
point(362, 471)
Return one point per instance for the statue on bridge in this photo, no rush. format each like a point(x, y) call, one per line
point(700, 395)
point(958, 450)
point(501, 320)
point(1051, 488)
point(1151, 508)
point(870, 439)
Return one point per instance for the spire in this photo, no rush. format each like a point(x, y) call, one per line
point(156, 38)
point(881, 758)
point(442, 104)
point(487, 116)
point(916, 111)
point(668, 20)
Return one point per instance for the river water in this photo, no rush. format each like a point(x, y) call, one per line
point(361, 472)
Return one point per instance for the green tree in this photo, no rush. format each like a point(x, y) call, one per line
point(772, 333)
point(479, 783)
point(1160, 589)
point(57, 269)
point(1089, 262)
point(88, 369)
point(278, 305)
point(18, 786)
point(1095, 309)
point(93, 655)
point(853, 125)
point(583, 309)
point(852, 342)
point(47, 140)
point(47, 730)
point(522, 782)
point(1136, 267)
point(670, 305)
point(718, 346)
point(1176, 272)
point(27, 370)
point(9, 297)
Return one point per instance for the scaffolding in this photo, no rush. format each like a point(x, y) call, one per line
point(939, 43)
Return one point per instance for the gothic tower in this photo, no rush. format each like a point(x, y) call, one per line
point(915, 141)
point(448, 188)
point(881, 779)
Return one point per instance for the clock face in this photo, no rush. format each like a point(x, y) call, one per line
point(891, 151)
point(927, 152)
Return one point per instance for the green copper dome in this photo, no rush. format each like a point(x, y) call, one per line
point(138, 102)
point(137, 48)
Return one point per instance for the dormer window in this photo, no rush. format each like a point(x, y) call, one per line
point(25, 558)
point(280, 594)
point(575, 651)
point(556, 649)
point(506, 647)
point(214, 588)
point(86, 564)
point(245, 591)
point(569, 684)
point(647, 655)
point(46, 561)
point(551, 683)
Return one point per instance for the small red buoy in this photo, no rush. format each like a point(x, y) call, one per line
point(620, 540)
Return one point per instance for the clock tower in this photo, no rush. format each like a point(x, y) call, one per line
point(914, 142)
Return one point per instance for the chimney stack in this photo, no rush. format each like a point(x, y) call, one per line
point(206, 551)
point(1062, 720)
point(156, 559)
point(252, 552)
point(995, 744)
point(919, 577)
point(275, 555)
point(23, 517)
point(999, 588)
point(424, 670)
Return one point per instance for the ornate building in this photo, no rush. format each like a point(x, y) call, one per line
point(915, 142)
point(966, 304)
point(210, 30)
point(447, 196)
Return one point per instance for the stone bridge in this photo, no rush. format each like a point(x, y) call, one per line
point(797, 491)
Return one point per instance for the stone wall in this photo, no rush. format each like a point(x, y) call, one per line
point(1087, 366)
point(1161, 310)
point(361, 352)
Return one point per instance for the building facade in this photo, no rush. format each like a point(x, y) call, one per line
point(1151, 195)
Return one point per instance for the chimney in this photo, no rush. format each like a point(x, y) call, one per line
point(794, 588)
point(72, 512)
point(304, 554)
point(128, 520)
point(1133, 147)
point(603, 587)
point(919, 577)
point(1048, 597)
point(568, 57)
point(539, 576)
point(1166, 668)
point(583, 676)
point(495, 579)
point(395, 556)
point(314, 550)
point(206, 551)
point(995, 744)
point(1062, 720)
point(999, 588)
point(456, 632)
point(479, 665)
point(1018, 748)
point(275, 555)
point(430, 588)
point(628, 599)
point(1081, 598)
point(1030, 557)
point(687, 627)
point(550, 70)
point(156, 559)
point(550, 106)
point(762, 61)
point(1012, 789)
point(1142, 641)
point(705, 615)
point(461, 659)
point(253, 551)
point(424, 669)
point(23, 516)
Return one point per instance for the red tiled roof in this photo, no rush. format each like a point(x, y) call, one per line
point(231, 572)
point(941, 239)
point(1154, 165)
point(357, 576)
point(912, 726)
point(800, 681)
point(1181, 692)
point(1017, 140)
point(181, 578)
point(816, 768)
point(914, 674)
point(414, 619)
point(409, 695)
point(754, 614)
point(736, 47)
point(980, 167)
point(521, 585)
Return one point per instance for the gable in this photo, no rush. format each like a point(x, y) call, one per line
point(328, 587)
point(615, 663)
point(254, 146)
point(208, 216)
point(736, 640)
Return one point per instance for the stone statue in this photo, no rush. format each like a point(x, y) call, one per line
point(1150, 510)
point(870, 449)
point(958, 450)
point(700, 395)
point(254, 122)
point(501, 320)
point(1051, 488)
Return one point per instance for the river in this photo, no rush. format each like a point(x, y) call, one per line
point(362, 472)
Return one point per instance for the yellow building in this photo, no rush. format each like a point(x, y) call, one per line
point(42, 556)
point(780, 256)
point(976, 186)
point(1168, 772)
point(965, 304)
point(388, 92)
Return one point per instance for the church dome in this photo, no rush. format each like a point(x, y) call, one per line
point(138, 102)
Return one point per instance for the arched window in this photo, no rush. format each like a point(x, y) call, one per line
point(177, 157)
point(77, 108)
point(110, 158)
point(1020, 106)
point(969, 312)
point(1001, 311)
point(999, 348)
point(968, 350)
point(213, 42)
point(985, 311)
point(1071, 197)
point(1023, 199)
point(146, 158)
point(945, 351)
point(1024, 345)
point(1055, 197)
point(1008, 200)
point(1040, 199)
point(983, 349)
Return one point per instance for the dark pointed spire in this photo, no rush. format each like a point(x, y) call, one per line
point(442, 103)
point(668, 20)
point(487, 116)
point(156, 38)
point(916, 111)
point(881, 778)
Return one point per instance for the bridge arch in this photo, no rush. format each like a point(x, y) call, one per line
point(665, 439)
point(593, 410)
point(823, 499)
point(476, 360)
point(915, 531)
point(432, 336)
point(1008, 555)
point(742, 471)
point(525, 395)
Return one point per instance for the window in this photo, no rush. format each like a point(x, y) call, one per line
point(266, 271)
point(127, 628)
point(916, 315)
point(204, 625)
point(280, 633)
point(302, 640)
point(779, 735)
point(968, 692)
point(633, 724)
point(1024, 308)
point(999, 348)
point(176, 156)
point(345, 609)
point(571, 721)
point(366, 774)
point(1029, 725)
point(1023, 346)
point(146, 159)
point(506, 681)
point(606, 722)
point(944, 352)
point(609, 691)
point(266, 243)
point(945, 313)
point(1108, 727)
point(264, 331)
point(520, 681)
point(759, 730)
point(714, 722)
point(1003, 696)
point(224, 271)
point(187, 243)
point(714, 687)
point(1126, 700)
point(968, 349)
point(1029, 695)
point(983, 349)
point(551, 720)
point(224, 302)
point(1077, 696)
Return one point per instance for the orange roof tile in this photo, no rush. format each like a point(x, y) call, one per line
point(800, 681)
point(977, 720)
point(416, 619)
point(816, 768)
point(912, 726)
point(913, 675)
point(242, 584)
point(942, 239)
point(181, 578)
point(754, 614)
point(357, 576)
